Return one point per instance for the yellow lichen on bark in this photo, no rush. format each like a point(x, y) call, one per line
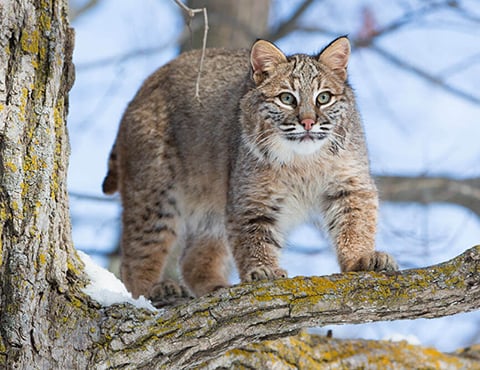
point(59, 128)
point(30, 41)
point(310, 351)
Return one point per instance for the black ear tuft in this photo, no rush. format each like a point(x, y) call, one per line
point(335, 56)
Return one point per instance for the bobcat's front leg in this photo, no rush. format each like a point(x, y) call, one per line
point(253, 236)
point(351, 218)
point(255, 248)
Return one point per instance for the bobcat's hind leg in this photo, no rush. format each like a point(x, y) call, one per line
point(205, 264)
point(150, 228)
point(168, 292)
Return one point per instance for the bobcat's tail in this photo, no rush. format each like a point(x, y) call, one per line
point(110, 183)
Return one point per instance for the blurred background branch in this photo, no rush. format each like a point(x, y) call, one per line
point(427, 190)
point(79, 8)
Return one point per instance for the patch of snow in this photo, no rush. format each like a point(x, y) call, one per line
point(107, 289)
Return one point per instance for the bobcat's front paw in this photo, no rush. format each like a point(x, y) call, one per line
point(264, 273)
point(168, 292)
point(378, 261)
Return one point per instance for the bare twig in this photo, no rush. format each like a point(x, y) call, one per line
point(409, 17)
point(100, 63)
point(136, 53)
point(93, 198)
point(367, 41)
point(465, 13)
point(291, 23)
point(191, 13)
point(461, 65)
point(74, 13)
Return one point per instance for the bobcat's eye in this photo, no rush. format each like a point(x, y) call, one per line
point(288, 99)
point(324, 97)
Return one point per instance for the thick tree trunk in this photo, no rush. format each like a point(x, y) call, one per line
point(37, 263)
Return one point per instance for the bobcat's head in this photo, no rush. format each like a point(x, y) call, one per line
point(298, 101)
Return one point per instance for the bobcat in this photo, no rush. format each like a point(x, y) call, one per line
point(271, 141)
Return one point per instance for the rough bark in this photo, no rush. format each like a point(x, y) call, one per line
point(36, 264)
point(308, 351)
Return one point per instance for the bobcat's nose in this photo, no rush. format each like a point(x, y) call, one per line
point(307, 123)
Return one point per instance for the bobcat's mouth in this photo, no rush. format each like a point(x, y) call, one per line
point(306, 136)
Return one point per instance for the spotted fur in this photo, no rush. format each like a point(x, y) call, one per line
point(271, 142)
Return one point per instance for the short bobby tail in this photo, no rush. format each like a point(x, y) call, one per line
point(110, 183)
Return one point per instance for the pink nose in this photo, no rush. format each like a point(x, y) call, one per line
point(307, 123)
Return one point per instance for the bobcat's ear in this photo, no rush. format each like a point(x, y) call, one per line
point(264, 57)
point(336, 55)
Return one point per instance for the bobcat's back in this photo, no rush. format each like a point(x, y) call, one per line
point(200, 131)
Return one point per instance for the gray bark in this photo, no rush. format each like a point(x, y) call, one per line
point(37, 263)
point(309, 351)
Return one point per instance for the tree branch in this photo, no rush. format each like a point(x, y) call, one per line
point(289, 24)
point(93, 198)
point(411, 15)
point(310, 351)
point(74, 13)
point(464, 192)
point(192, 333)
point(117, 59)
point(426, 190)
point(366, 41)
